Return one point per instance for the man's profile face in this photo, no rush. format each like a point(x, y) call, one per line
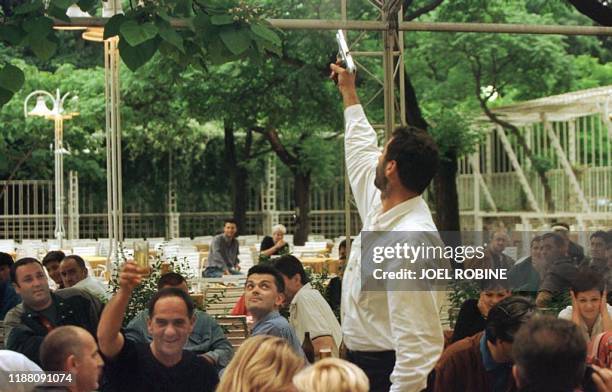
point(598, 248)
point(71, 272)
point(53, 268)
point(88, 364)
point(32, 285)
point(261, 294)
point(170, 325)
point(551, 251)
point(230, 229)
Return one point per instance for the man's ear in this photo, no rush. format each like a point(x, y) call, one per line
point(149, 324)
point(390, 167)
point(70, 363)
point(280, 300)
point(297, 278)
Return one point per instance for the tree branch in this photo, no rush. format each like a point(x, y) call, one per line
point(421, 11)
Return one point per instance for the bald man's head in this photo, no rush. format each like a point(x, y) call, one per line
point(73, 349)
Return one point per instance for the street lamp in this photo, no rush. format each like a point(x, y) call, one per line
point(58, 115)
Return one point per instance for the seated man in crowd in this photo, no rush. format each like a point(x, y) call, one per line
point(527, 274)
point(589, 309)
point(8, 297)
point(52, 261)
point(223, 254)
point(494, 256)
point(483, 362)
point(74, 274)
point(574, 251)
point(26, 325)
point(473, 315)
point(597, 249)
point(309, 312)
point(549, 355)
point(207, 339)
point(73, 350)
point(163, 364)
point(263, 293)
point(560, 270)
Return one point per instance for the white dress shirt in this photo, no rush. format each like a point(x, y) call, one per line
point(404, 321)
point(309, 312)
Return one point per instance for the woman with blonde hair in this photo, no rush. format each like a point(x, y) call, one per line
point(262, 364)
point(332, 375)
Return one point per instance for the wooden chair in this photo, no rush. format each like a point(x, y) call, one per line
point(235, 329)
point(221, 300)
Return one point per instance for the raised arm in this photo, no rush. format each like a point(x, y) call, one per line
point(110, 339)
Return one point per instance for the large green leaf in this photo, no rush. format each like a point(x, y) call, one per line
point(136, 56)
point(237, 41)
point(11, 34)
point(265, 33)
point(62, 3)
point(42, 47)
point(5, 96)
point(11, 78)
point(170, 35)
point(58, 13)
point(112, 27)
point(40, 26)
point(135, 34)
point(201, 23)
point(28, 7)
point(220, 20)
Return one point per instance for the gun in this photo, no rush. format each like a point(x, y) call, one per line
point(344, 54)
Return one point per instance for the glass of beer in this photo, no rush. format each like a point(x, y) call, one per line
point(141, 254)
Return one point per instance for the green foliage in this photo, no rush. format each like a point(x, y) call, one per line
point(217, 32)
point(459, 292)
point(148, 287)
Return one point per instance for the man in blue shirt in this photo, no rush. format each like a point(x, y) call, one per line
point(264, 295)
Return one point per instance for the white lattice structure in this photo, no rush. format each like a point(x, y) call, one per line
point(572, 133)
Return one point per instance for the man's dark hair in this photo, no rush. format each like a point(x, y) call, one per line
point(230, 220)
point(170, 279)
point(58, 345)
point(269, 270)
point(20, 263)
point(342, 244)
point(54, 255)
point(171, 292)
point(535, 239)
point(586, 280)
point(507, 316)
point(6, 259)
point(601, 234)
point(289, 265)
point(495, 284)
point(558, 240)
point(550, 354)
point(79, 260)
point(416, 155)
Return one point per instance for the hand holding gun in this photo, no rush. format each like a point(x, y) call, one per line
point(344, 54)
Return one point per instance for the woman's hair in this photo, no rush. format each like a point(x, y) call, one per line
point(262, 364)
point(332, 375)
point(280, 228)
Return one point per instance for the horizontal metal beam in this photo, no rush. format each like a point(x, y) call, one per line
point(327, 24)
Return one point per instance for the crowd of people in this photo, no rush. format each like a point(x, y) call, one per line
point(56, 318)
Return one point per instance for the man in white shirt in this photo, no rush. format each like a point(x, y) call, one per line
point(74, 274)
point(394, 336)
point(308, 310)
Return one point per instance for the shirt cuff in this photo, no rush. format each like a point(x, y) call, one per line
point(353, 111)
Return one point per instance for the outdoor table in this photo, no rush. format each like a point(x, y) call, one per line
point(319, 264)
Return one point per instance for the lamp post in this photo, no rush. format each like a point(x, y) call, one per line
point(58, 116)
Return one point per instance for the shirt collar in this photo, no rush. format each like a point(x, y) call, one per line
point(272, 315)
point(387, 219)
point(307, 286)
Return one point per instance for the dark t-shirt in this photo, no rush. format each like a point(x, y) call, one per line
point(469, 321)
point(136, 369)
point(268, 242)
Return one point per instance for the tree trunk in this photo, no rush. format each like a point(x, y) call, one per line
point(302, 207)
point(238, 179)
point(447, 199)
point(445, 184)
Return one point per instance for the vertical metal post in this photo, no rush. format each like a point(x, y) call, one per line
point(59, 179)
point(73, 205)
